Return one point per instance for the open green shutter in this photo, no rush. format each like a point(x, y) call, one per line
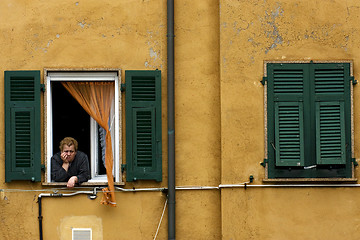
point(330, 132)
point(289, 134)
point(143, 125)
point(22, 126)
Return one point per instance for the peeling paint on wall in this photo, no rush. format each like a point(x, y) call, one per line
point(271, 27)
point(83, 24)
point(153, 54)
point(241, 26)
point(154, 50)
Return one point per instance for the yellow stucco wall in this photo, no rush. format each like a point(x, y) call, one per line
point(130, 35)
point(252, 32)
point(220, 49)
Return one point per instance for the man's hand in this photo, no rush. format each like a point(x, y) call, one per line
point(72, 181)
point(64, 157)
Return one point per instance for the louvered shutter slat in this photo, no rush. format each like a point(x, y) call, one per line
point(330, 131)
point(143, 89)
point(288, 81)
point(329, 81)
point(144, 137)
point(289, 134)
point(22, 133)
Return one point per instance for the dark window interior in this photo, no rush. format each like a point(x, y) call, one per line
point(69, 119)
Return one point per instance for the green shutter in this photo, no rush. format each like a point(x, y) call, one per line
point(331, 89)
point(143, 125)
point(309, 120)
point(22, 126)
point(330, 132)
point(289, 136)
point(286, 95)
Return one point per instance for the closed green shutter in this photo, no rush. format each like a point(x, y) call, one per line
point(286, 96)
point(331, 82)
point(22, 126)
point(143, 125)
point(309, 120)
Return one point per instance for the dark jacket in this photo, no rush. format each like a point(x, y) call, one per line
point(78, 167)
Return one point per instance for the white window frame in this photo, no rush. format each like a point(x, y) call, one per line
point(84, 75)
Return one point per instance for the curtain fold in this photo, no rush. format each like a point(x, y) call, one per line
point(96, 98)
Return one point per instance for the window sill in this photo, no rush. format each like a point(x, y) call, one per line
point(310, 180)
point(84, 184)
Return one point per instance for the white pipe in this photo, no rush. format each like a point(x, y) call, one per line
point(67, 194)
point(287, 185)
point(240, 185)
point(140, 189)
point(196, 188)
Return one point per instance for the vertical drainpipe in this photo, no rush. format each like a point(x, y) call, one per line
point(171, 119)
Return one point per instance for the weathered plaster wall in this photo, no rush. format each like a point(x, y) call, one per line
point(100, 35)
point(288, 213)
point(81, 34)
point(197, 118)
point(252, 32)
point(220, 52)
point(131, 35)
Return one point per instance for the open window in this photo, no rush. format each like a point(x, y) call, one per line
point(64, 117)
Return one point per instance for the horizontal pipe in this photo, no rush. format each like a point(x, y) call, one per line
point(196, 188)
point(241, 185)
point(66, 194)
point(248, 185)
point(287, 185)
point(140, 189)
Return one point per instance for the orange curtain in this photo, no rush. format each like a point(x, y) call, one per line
point(96, 98)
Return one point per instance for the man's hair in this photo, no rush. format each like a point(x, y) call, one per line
point(69, 141)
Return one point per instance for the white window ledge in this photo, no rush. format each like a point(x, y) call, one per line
point(84, 184)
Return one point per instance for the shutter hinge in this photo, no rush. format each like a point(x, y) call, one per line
point(264, 80)
point(354, 81)
point(123, 167)
point(354, 162)
point(264, 162)
point(42, 87)
point(122, 87)
point(43, 167)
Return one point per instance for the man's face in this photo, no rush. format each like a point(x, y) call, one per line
point(69, 153)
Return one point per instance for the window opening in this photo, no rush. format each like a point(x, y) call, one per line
point(66, 117)
point(69, 119)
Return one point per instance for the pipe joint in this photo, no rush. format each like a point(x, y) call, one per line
point(56, 194)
